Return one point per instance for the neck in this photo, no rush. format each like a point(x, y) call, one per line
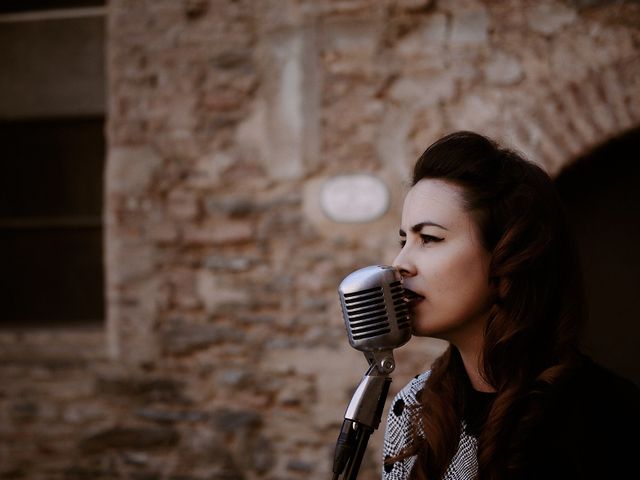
point(471, 353)
point(472, 364)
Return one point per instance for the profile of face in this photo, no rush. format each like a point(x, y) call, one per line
point(444, 264)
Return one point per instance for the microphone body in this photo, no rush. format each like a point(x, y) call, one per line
point(377, 320)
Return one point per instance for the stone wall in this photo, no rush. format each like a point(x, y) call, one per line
point(223, 354)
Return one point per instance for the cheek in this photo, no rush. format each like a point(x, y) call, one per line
point(459, 273)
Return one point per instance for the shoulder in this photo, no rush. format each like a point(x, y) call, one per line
point(410, 392)
point(402, 408)
point(402, 420)
point(609, 402)
point(591, 422)
point(594, 389)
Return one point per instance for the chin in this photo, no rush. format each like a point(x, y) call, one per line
point(421, 327)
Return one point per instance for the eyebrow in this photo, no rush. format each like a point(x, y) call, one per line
point(419, 226)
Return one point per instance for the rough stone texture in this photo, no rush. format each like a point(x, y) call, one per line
point(224, 355)
point(131, 437)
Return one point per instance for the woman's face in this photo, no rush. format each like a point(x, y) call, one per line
point(444, 262)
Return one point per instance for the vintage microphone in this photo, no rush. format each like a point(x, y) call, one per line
point(376, 316)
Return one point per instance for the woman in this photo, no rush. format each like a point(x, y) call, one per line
point(489, 266)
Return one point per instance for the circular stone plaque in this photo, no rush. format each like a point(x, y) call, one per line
point(354, 198)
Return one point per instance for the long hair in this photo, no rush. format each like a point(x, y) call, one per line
point(531, 339)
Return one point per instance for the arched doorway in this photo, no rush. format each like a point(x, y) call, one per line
point(602, 195)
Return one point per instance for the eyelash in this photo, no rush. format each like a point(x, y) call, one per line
point(424, 240)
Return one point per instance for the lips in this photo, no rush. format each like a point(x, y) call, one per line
point(412, 298)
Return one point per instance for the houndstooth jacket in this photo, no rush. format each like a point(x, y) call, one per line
point(464, 465)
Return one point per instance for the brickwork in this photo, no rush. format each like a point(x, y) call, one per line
point(224, 355)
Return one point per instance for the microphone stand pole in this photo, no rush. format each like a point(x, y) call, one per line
point(363, 414)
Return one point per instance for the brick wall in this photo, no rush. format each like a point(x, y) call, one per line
point(223, 355)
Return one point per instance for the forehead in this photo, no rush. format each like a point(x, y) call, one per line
point(434, 200)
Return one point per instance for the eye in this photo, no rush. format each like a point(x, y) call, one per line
point(425, 239)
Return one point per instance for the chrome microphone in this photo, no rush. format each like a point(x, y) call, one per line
point(376, 315)
point(374, 308)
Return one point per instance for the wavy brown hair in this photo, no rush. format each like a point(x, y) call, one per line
point(531, 339)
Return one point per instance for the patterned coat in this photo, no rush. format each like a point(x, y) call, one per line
point(464, 465)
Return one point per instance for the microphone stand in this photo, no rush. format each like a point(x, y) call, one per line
point(363, 414)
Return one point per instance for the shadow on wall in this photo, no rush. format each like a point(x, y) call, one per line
point(600, 191)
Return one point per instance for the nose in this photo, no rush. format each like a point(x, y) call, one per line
point(404, 265)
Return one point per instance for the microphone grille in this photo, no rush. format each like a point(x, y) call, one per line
point(367, 313)
point(375, 313)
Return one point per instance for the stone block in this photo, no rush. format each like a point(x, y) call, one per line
point(615, 96)
point(427, 127)
point(295, 393)
point(423, 90)
point(503, 69)
point(207, 169)
point(79, 472)
point(352, 38)
point(145, 389)
point(566, 58)
point(218, 232)
point(181, 284)
point(475, 111)
point(229, 264)
point(313, 304)
point(233, 59)
point(127, 259)
point(338, 371)
point(548, 18)
point(429, 37)
point(217, 294)
point(24, 411)
point(70, 389)
point(232, 206)
point(352, 8)
point(469, 28)
point(259, 452)
point(171, 416)
point(180, 339)
point(130, 170)
point(300, 466)
point(282, 130)
point(194, 9)
point(137, 438)
point(237, 378)
point(414, 5)
point(81, 413)
point(236, 421)
point(224, 100)
point(182, 205)
point(602, 115)
point(163, 232)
